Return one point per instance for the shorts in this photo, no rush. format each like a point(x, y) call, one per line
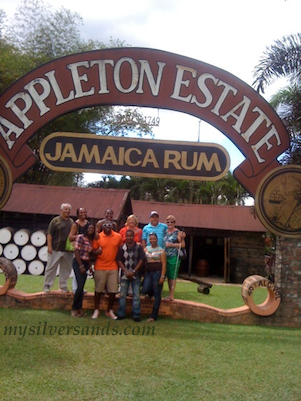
point(172, 267)
point(106, 280)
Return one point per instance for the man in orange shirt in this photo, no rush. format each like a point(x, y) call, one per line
point(106, 268)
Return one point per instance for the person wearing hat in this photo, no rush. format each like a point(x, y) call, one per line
point(154, 226)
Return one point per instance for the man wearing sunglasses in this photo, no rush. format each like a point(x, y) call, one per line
point(108, 219)
point(106, 268)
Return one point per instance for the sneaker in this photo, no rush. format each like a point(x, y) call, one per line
point(65, 290)
point(111, 315)
point(95, 314)
point(137, 319)
point(75, 313)
point(46, 289)
point(120, 317)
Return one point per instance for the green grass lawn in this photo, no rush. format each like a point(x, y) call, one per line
point(48, 355)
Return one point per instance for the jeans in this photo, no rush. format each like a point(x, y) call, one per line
point(151, 282)
point(81, 280)
point(124, 286)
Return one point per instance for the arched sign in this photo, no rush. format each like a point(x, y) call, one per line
point(139, 77)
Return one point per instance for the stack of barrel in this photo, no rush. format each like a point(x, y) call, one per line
point(202, 268)
point(26, 250)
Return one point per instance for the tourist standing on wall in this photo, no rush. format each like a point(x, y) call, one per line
point(81, 264)
point(108, 219)
point(57, 234)
point(174, 241)
point(154, 226)
point(130, 259)
point(106, 268)
point(132, 224)
point(78, 228)
point(155, 273)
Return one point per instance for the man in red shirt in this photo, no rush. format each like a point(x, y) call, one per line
point(106, 268)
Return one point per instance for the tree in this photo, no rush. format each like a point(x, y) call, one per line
point(283, 59)
point(37, 35)
point(226, 191)
point(287, 102)
point(43, 33)
point(13, 63)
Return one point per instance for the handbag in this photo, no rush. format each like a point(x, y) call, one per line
point(183, 254)
point(69, 246)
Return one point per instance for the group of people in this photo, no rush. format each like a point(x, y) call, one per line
point(118, 258)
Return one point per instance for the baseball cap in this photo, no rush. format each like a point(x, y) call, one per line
point(153, 213)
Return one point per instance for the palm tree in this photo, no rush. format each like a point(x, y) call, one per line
point(232, 193)
point(282, 59)
point(287, 102)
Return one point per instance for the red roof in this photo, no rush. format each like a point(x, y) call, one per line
point(215, 217)
point(41, 199)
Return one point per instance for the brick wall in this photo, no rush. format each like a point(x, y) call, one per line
point(288, 279)
point(246, 256)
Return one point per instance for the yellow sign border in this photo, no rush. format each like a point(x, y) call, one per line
point(133, 140)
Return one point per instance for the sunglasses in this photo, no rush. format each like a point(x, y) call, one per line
point(170, 221)
point(107, 225)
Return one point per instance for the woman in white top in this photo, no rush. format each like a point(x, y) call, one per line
point(155, 273)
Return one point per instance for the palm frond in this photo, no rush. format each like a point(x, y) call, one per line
point(282, 59)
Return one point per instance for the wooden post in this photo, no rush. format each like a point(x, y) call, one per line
point(190, 255)
point(226, 259)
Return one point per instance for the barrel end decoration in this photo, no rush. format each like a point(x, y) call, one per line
point(278, 201)
point(10, 273)
point(6, 182)
point(272, 302)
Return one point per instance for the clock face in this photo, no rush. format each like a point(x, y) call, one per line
point(6, 182)
point(278, 201)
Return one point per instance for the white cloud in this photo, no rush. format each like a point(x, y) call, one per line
point(231, 35)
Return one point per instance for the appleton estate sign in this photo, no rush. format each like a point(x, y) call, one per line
point(139, 77)
point(83, 152)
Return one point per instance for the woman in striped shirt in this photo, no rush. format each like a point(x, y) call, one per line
point(81, 264)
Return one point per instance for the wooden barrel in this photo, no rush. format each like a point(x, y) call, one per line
point(28, 252)
point(202, 268)
point(11, 251)
point(43, 253)
point(36, 267)
point(38, 238)
point(20, 265)
point(6, 234)
point(10, 273)
point(21, 237)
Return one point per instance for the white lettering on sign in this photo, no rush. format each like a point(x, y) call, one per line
point(188, 87)
point(243, 106)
